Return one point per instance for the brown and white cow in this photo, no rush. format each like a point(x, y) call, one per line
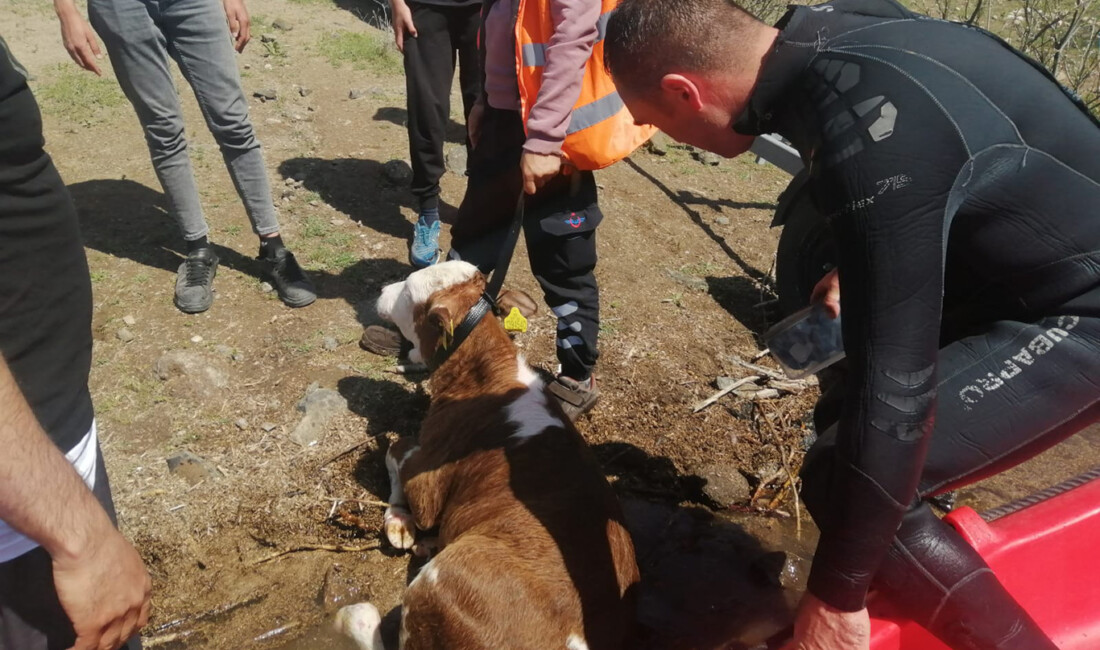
point(533, 553)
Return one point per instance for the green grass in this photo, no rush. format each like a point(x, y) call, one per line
point(326, 246)
point(78, 95)
point(98, 276)
point(360, 50)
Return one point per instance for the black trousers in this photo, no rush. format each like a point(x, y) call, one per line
point(1006, 392)
point(445, 35)
point(31, 616)
point(559, 226)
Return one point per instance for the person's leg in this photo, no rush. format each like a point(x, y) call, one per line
point(465, 24)
point(1003, 396)
point(138, 53)
point(560, 228)
point(198, 38)
point(31, 616)
point(429, 69)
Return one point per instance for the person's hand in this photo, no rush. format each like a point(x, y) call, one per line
point(240, 25)
point(473, 122)
point(827, 293)
point(821, 627)
point(402, 23)
point(538, 169)
point(79, 38)
point(104, 589)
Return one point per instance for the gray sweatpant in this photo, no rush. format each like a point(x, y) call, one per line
point(139, 36)
point(31, 617)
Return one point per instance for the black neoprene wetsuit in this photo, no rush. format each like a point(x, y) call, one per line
point(962, 186)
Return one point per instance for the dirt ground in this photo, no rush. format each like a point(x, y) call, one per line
point(685, 259)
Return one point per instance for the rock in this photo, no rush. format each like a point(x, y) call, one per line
point(267, 38)
point(267, 95)
point(237, 356)
point(196, 339)
point(456, 159)
point(192, 373)
point(319, 405)
point(329, 343)
point(724, 382)
point(223, 351)
point(766, 470)
point(780, 569)
point(130, 321)
point(282, 24)
point(305, 92)
point(191, 468)
point(124, 335)
point(339, 588)
point(266, 287)
point(356, 93)
point(808, 440)
point(267, 427)
point(724, 484)
point(709, 158)
point(315, 204)
point(241, 423)
point(699, 284)
point(722, 221)
point(397, 172)
point(658, 144)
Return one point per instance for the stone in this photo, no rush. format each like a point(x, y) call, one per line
point(267, 38)
point(267, 427)
point(722, 221)
point(724, 484)
point(356, 93)
point(808, 440)
point(329, 343)
point(456, 159)
point(658, 145)
point(320, 405)
point(241, 423)
point(223, 351)
point(314, 204)
point(305, 92)
point(282, 24)
point(724, 382)
point(124, 335)
point(190, 372)
point(267, 94)
point(709, 158)
point(191, 468)
point(690, 281)
point(130, 321)
point(781, 569)
point(266, 287)
point(196, 339)
point(340, 588)
point(397, 172)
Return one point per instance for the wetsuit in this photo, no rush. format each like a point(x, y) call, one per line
point(962, 186)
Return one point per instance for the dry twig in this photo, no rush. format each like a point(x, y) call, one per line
point(332, 548)
point(725, 391)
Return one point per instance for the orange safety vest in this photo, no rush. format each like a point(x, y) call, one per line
point(601, 130)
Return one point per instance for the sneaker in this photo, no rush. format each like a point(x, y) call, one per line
point(195, 281)
point(424, 250)
point(575, 397)
point(384, 342)
point(288, 278)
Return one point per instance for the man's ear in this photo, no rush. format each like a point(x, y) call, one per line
point(682, 91)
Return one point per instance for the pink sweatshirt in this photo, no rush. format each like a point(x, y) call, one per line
point(566, 55)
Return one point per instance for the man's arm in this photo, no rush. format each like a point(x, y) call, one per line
point(567, 54)
point(78, 36)
point(100, 579)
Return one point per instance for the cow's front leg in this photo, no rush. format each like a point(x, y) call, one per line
point(398, 521)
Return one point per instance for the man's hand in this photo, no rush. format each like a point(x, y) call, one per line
point(473, 122)
point(78, 36)
point(538, 169)
point(104, 589)
point(827, 293)
point(821, 627)
point(239, 23)
point(402, 23)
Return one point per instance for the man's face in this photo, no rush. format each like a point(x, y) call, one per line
point(703, 123)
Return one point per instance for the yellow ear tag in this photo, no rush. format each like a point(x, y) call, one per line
point(514, 321)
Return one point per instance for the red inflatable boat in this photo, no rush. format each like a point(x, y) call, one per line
point(1046, 554)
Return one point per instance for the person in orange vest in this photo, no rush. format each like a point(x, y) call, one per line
point(547, 117)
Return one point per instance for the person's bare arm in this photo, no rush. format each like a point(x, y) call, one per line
point(78, 36)
point(100, 579)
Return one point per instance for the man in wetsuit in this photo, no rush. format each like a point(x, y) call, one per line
point(962, 186)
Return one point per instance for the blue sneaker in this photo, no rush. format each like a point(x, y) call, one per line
point(425, 244)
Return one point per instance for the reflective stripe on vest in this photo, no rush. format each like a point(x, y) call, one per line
point(601, 130)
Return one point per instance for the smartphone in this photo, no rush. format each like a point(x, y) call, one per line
point(806, 341)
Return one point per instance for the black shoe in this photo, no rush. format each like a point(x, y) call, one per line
point(195, 281)
point(289, 280)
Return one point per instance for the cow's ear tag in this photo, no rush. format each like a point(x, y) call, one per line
point(514, 321)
